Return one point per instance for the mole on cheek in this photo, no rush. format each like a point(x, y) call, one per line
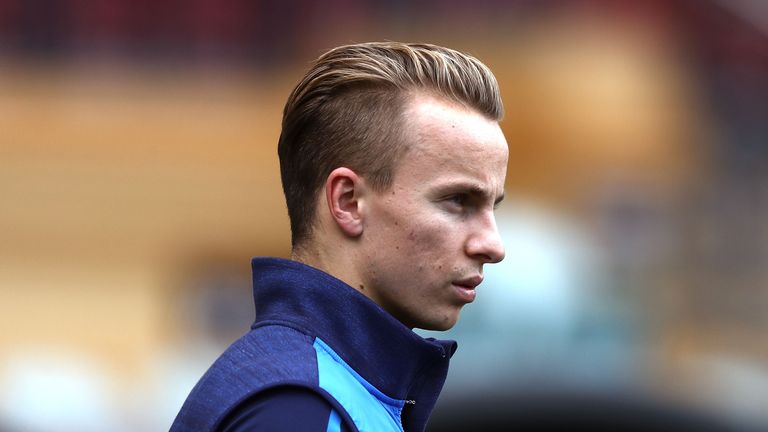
point(411, 235)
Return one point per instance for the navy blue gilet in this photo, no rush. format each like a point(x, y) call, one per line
point(316, 332)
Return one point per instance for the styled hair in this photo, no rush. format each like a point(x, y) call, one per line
point(348, 111)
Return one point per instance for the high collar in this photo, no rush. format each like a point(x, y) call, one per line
point(381, 349)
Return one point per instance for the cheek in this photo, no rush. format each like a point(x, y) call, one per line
point(415, 239)
point(428, 244)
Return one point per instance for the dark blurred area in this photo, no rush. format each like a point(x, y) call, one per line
point(559, 411)
point(139, 174)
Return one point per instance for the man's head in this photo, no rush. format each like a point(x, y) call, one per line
point(348, 111)
point(402, 141)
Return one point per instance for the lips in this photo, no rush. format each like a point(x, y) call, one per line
point(470, 282)
point(465, 288)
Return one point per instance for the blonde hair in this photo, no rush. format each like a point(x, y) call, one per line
point(347, 111)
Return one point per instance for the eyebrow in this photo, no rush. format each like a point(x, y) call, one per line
point(476, 190)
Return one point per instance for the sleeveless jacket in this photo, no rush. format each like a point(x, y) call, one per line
point(315, 331)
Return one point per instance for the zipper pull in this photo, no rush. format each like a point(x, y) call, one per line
point(410, 402)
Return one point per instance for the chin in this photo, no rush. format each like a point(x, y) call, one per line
point(443, 325)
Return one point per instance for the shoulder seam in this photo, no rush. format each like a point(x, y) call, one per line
point(346, 419)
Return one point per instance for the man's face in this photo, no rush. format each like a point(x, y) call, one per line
point(427, 237)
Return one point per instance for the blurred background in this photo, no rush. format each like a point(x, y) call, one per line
point(139, 175)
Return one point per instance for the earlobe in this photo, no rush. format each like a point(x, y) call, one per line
point(342, 192)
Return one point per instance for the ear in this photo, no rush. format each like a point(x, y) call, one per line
point(343, 188)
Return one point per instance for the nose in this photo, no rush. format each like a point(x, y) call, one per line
point(485, 243)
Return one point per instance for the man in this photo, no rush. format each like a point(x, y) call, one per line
point(392, 163)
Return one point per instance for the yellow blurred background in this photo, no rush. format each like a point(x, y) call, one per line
point(139, 174)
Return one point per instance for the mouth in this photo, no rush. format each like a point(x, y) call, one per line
point(465, 288)
point(469, 282)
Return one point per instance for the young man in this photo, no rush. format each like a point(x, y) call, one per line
point(392, 163)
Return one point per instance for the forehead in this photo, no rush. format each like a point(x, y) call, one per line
point(447, 139)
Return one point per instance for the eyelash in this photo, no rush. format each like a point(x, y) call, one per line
point(462, 201)
point(458, 200)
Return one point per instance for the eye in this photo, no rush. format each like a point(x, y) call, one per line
point(457, 201)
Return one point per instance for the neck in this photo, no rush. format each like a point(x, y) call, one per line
point(331, 260)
